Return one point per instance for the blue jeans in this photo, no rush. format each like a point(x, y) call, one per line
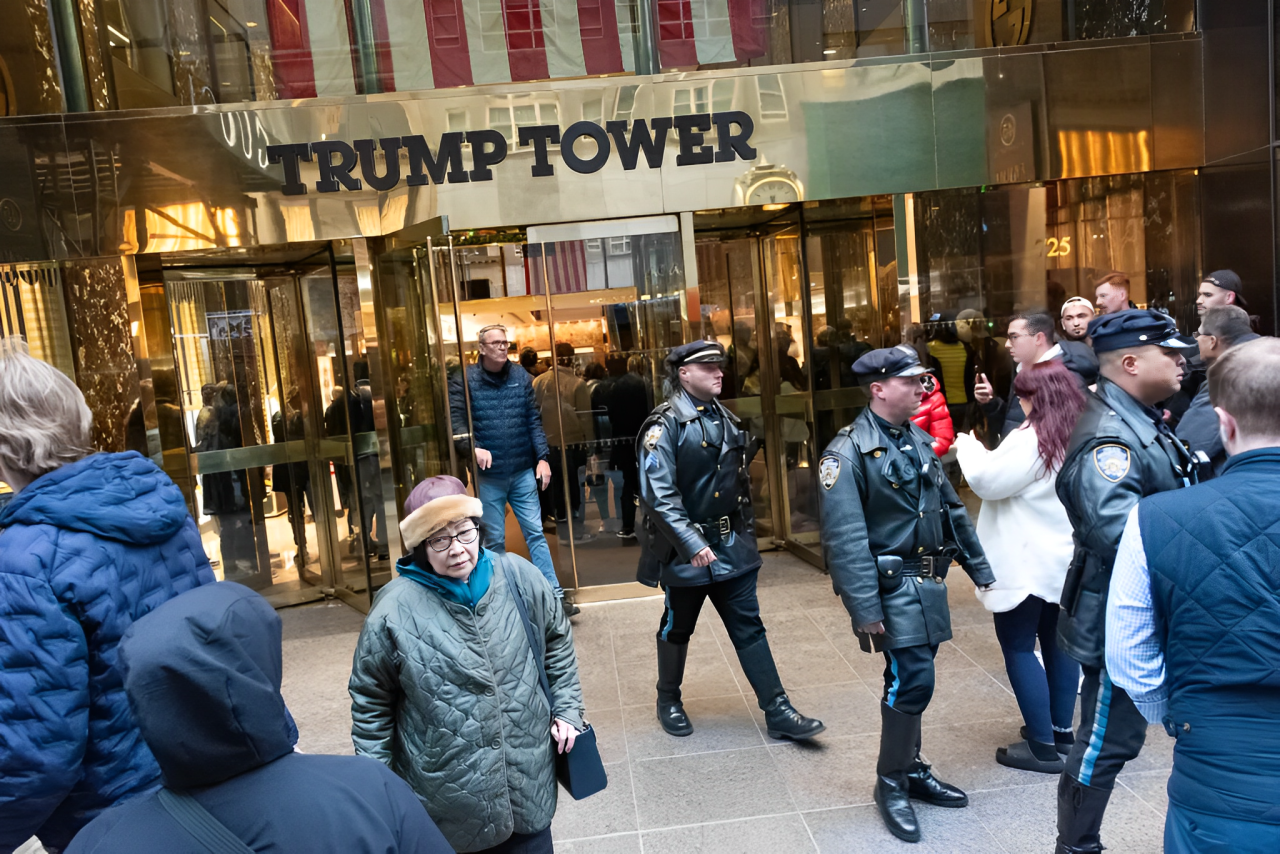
point(520, 490)
point(1187, 832)
point(1046, 695)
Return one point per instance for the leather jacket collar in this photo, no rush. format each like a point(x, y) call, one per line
point(1130, 411)
point(867, 436)
point(685, 408)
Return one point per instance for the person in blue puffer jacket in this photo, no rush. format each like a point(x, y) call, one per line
point(89, 544)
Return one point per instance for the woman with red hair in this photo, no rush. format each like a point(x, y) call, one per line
point(1027, 537)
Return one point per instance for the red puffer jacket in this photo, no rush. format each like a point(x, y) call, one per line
point(935, 419)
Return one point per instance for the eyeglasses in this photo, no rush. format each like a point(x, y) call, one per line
point(1014, 336)
point(503, 344)
point(1200, 333)
point(467, 537)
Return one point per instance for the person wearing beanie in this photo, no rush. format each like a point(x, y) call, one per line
point(202, 673)
point(445, 689)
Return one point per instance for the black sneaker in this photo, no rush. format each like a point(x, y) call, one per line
point(626, 535)
point(570, 609)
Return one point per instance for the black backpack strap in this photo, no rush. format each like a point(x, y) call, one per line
point(200, 823)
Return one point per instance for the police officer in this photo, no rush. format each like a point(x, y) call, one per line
point(699, 536)
point(891, 524)
point(1121, 451)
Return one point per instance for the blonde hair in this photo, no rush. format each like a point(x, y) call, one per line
point(44, 421)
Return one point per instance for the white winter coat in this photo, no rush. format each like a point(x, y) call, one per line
point(1022, 525)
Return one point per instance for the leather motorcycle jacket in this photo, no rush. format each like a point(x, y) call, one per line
point(890, 528)
point(1118, 455)
point(695, 492)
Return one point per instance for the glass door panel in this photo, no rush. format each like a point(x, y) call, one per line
point(729, 279)
point(617, 304)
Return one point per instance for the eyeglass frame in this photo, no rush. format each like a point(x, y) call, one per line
point(449, 538)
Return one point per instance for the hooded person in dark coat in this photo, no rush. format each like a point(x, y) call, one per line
point(202, 673)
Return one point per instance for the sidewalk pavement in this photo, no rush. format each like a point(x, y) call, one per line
point(728, 788)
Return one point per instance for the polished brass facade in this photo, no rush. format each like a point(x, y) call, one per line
point(101, 184)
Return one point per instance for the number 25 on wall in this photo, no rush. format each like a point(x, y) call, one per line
point(1058, 248)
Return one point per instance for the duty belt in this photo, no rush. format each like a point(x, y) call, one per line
point(926, 566)
point(715, 530)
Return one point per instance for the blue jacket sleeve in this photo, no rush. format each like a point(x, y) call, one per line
point(44, 691)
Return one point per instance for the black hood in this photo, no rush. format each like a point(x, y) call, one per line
point(202, 673)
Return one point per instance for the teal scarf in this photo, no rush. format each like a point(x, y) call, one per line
point(467, 593)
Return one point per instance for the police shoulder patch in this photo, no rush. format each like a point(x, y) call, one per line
point(829, 471)
point(653, 436)
point(1112, 461)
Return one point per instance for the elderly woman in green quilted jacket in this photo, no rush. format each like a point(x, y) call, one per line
point(445, 689)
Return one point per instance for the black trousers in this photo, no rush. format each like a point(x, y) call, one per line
point(909, 678)
point(630, 489)
point(735, 600)
point(1112, 731)
point(523, 843)
point(575, 457)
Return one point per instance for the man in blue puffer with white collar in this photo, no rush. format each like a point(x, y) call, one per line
point(89, 544)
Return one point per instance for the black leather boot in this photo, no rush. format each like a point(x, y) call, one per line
point(897, 754)
point(671, 658)
point(923, 786)
point(1080, 810)
point(780, 717)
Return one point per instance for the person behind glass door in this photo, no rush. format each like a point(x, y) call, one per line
point(1027, 537)
point(368, 469)
point(565, 403)
point(336, 417)
point(509, 446)
point(293, 479)
point(630, 402)
point(1112, 293)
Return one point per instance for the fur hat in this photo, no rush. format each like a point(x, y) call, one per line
point(434, 503)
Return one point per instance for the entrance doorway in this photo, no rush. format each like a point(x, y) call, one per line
point(590, 311)
point(797, 292)
point(264, 417)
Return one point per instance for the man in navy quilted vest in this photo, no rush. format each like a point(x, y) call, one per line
point(1193, 621)
point(90, 543)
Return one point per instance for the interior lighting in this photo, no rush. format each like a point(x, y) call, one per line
point(829, 51)
point(251, 23)
point(118, 34)
point(773, 207)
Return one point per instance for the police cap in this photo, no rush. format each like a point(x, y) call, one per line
point(888, 362)
point(1136, 327)
point(695, 352)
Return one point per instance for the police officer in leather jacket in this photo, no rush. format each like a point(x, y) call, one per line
point(1121, 450)
point(699, 538)
point(891, 525)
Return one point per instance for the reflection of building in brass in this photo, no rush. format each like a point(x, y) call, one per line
point(1009, 22)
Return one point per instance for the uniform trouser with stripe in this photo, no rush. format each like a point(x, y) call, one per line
point(909, 678)
point(1112, 731)
point(734, 599)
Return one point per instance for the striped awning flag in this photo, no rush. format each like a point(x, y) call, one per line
point(433, 44)
point(560, 267)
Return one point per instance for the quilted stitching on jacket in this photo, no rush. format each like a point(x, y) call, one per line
point(505, 417)
point(452, 702)
point(85, 551)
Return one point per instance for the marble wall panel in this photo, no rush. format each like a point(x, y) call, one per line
point(105, 367)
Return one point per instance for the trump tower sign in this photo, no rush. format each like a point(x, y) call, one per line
point(352, 166)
